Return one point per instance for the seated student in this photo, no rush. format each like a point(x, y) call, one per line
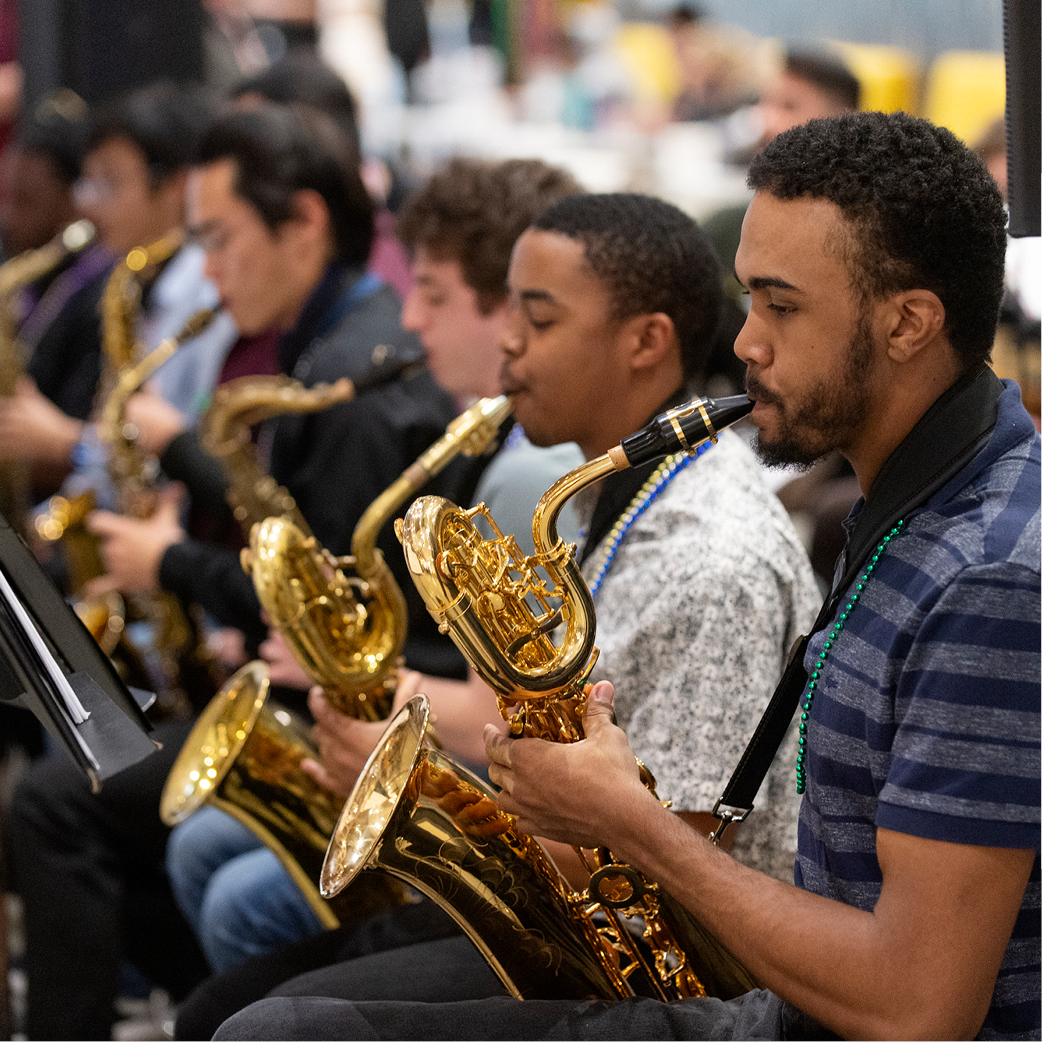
point(461, 226)
point(873, 253)
point(132, 189)
point(615, 299)
point(288, 224)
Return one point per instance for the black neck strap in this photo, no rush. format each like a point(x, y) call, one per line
point(955, 428)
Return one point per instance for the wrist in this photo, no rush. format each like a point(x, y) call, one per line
point(67, 434)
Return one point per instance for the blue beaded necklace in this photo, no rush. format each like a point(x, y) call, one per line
point(660, 478)
point(812, 681)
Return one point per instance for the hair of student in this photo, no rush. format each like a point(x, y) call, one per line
point(281, 150)
point(828, 72)
point(300, 77)
point(56, 129)
point(653, 258)
point(164, 121)
point(473, 212)
point(922, 210)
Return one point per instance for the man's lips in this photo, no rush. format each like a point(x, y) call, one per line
point(508, 383)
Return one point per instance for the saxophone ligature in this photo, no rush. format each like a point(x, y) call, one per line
point(345, 621)
point(527, 627)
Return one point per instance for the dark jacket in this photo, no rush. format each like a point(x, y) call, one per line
point(336, 462)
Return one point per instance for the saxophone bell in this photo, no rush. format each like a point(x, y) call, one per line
point(344, 619)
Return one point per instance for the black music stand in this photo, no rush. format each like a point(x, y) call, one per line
point(49, 655)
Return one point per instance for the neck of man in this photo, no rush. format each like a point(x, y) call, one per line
point(903, 400)
point(638, 397)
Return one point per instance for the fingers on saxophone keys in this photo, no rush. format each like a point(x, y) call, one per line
point(498, 748)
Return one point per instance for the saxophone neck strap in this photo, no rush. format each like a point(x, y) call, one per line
point(954, 429)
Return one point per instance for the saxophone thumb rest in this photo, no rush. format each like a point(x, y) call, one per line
point(680, 430)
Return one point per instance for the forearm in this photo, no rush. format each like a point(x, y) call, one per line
point(863, 974)
point(461, 710)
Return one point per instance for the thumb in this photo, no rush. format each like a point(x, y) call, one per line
point(26, 387)
point(103, 522)
point(600, 708)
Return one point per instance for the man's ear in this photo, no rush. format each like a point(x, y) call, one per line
point(912, 319)
point(649, 339)
point(310, 214)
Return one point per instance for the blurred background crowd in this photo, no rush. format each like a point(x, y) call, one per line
point(102, 107)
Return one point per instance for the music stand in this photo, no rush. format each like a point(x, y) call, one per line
point(55, 668)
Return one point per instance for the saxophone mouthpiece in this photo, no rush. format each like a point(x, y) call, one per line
point(682, 429)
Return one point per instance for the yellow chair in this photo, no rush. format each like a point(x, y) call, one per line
point(889, 76)
point(647, 53)
point(966, 92)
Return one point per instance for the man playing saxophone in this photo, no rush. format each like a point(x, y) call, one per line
point(873, 256)
point(613, 307)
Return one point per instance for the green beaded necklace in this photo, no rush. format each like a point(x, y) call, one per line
point(812, 681)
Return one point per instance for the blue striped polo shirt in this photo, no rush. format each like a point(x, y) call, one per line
point(926, 715)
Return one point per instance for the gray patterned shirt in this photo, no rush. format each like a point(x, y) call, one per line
point(695, 619)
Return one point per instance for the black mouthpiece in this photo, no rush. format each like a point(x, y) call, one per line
point(684, 428)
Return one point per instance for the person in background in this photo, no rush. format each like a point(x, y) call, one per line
point(132, 189)
point(56, 316)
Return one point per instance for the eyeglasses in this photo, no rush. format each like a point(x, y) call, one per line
point(94, 191)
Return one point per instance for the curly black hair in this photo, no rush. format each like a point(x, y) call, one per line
point(923, 212)
point(473, 211)
point(652, 257)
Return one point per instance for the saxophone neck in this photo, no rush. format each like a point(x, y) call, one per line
point(550, 505)
point(132, 379)
point(470, 433)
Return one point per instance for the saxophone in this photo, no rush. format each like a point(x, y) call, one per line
point(64, 519)
point(527, 626)
point(177, 634)
point(15, 275)
point(344, 619)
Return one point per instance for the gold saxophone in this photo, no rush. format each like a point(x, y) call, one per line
point(188, 667)
point(15, 275)
point(345, 621)
point(527, 626)
point(64, 520)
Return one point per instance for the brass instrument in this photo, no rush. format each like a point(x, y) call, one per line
point(177, 634)
point(64, 519)
point(16, 274)
point(224, 431)
point(527, 626)
point(345, 621)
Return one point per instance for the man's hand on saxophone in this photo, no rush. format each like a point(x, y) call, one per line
point(131, 549)
point(571, 792)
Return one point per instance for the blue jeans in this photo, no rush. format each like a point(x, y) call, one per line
point(238, 898)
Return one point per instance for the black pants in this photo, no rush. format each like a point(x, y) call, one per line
point(224, 994)
point(417, 970)
point(90, 873)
